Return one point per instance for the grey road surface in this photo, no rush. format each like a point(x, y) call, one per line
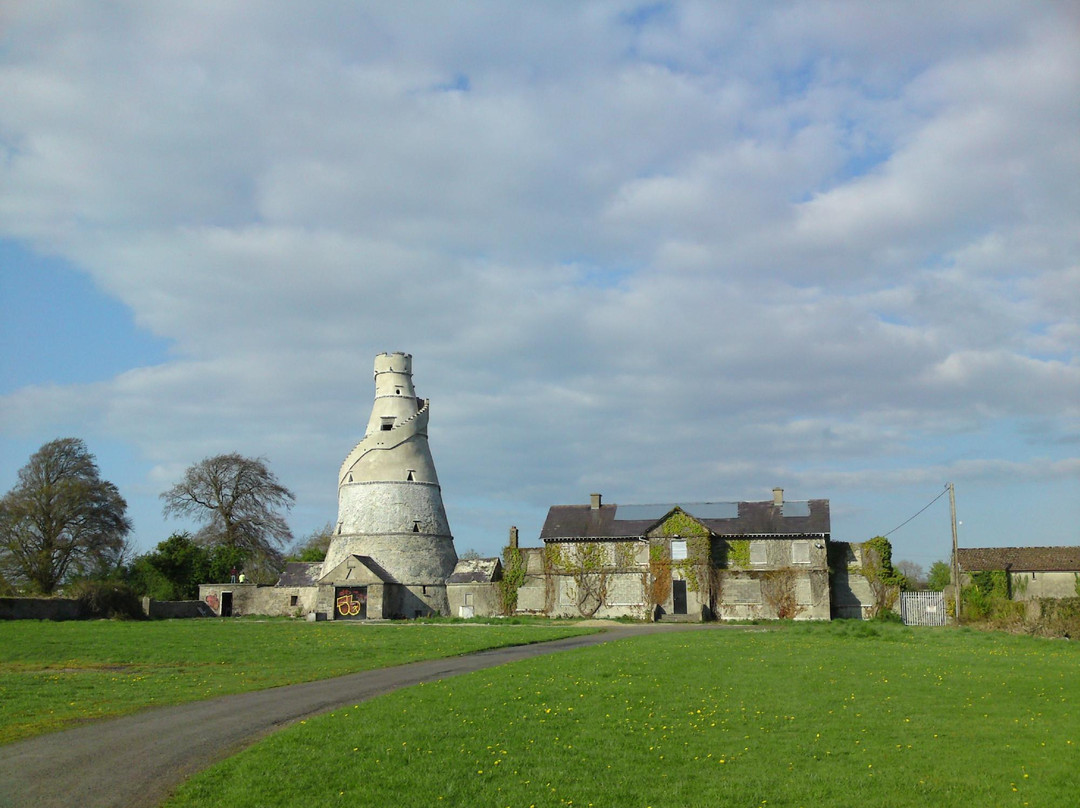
point(136, 761)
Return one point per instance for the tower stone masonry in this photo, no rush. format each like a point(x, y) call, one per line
point(390, 505)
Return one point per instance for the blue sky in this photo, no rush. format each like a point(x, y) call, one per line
point(675, 251)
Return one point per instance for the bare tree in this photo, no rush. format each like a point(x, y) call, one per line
point(61, 518)
point(914, 574)
point(239, 501)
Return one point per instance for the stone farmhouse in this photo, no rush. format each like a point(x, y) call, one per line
point(392, 553)
point(701, 561)
point(1032, 572)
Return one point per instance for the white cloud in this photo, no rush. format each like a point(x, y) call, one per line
point(681, 253)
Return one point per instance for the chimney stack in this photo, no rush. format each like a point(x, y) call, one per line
point(594, 501)
point(778, 497)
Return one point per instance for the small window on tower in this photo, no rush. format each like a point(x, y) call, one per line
point(409, 478)
point(387, 423)
point(415, 527)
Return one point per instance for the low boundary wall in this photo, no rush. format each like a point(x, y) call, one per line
point(42, 609)
point(71, 609)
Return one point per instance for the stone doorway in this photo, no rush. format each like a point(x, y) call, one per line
point(678, 597)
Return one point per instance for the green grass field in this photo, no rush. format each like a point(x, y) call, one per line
point(56, 675)
point(842, 714)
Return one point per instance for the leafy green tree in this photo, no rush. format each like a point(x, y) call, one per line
point(224, 559)
point(61, 519)
point(314, 546)
point(240, 503)
point(939, 577)
point(174, 570)
point(885, 581)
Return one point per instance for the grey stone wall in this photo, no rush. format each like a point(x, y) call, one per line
point(272, 601)
point(42, 609)
point(175, 609)
point(484, 596)
point(1034, 585)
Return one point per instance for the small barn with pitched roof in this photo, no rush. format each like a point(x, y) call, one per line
point(1033, 572)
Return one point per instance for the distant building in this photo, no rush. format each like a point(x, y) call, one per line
point(1033, 572)
point(692, 560)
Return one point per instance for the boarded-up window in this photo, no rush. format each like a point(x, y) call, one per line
point(800, 552)
point(678, 550)
point(567, 592)
point(625, 590)
point(758, 552)
point(803, 593)
point(468, 598)
point(742, 590)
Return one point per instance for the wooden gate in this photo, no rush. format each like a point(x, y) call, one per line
point(923, 608)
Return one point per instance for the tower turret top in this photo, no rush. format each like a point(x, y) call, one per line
point(396, 362)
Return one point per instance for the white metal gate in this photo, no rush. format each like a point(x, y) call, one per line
point(923, 608)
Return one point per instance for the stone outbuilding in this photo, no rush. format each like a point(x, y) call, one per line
point(1033, 572)
point(473, 588)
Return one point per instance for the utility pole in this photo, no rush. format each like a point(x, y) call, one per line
point(955, 555)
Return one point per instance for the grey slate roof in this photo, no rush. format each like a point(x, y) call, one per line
point(476, 571)
point(300, 573)
point(1019, 559)
point(807, 517)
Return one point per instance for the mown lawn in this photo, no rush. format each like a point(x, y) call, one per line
point(55, 675)
point(843, 714)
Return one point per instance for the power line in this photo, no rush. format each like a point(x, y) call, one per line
point(931, 502)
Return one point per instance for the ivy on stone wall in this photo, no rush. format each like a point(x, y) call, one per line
point(586, 563)
point(660, 570)
point(885, 581)
point(625, 555)
point(513, 578)
point(681, 524)
point(738, 553)
point(695, 568)
point(778, 590)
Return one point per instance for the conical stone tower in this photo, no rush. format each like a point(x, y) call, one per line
point(389, 502)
